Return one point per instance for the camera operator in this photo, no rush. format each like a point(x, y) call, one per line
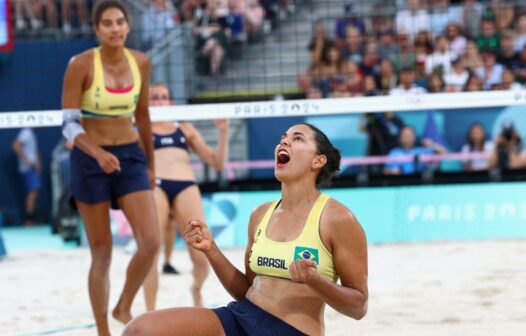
point(509, 152)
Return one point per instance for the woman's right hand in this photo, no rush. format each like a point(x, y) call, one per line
point(198, 236)
point(108, 162)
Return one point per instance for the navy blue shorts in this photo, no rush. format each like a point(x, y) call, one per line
point(172, 188)
point(246, 319)
point(90, 184)
point(32, 180)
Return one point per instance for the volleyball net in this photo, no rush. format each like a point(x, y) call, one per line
point(256, 126)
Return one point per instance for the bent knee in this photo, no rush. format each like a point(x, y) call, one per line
point(136, 327)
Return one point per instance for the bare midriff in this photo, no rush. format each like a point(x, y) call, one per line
point(110, 131)
point(173, 164)
point(292, 302)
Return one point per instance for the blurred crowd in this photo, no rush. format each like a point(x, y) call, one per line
point(67, 18)
point(218, 25)
point(426, 46)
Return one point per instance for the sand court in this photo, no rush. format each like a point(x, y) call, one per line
point(442, 288)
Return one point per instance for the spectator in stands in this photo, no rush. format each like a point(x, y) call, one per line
point(188, 9)
point(477, 142)
point(353, 48)
point(435, 83)
point(33, 13)
point(490, 72)
point(157, 21)
point(473, 84)
point(520, 67)
point(407, 84)
point(520, 39)
point(489, 38)
point(311, 78)
point(407, 146)
point(423, 45)
point(383, 130)
point(407, 57)
point(26, 148)
point(271, 8)
point(387, 78)
point(319, 41)
point(252, 13)
point(421, 77)
point(472, 59)
point(507, 55)
point(457, 41)
point(352, 83)
point(313, 93)
point(442, 14)
point(413, 19)
point(370, 62)
point(82, 15)
point(440, 60)
point(351, 19)
point(211, 31)
point(387, 48)
point(471, 12)
point(332, 70)
point(508, 81)
point(503, 12)
point(370, 88)
point(509, 152)
point(456, 79)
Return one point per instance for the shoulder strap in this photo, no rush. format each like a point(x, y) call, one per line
point(313, 221)
point(266, 218)
point(136, 73)
point(98, 71)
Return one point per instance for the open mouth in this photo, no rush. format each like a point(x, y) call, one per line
point(282, 157)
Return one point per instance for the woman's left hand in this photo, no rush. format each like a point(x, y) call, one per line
point(301, 270)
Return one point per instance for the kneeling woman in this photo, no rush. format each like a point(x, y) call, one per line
point(297, 249)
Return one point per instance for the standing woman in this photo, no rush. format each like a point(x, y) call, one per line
point(177, 191)
point(103, 89)
point(298, 247)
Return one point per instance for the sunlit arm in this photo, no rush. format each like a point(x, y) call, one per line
point(350, 260)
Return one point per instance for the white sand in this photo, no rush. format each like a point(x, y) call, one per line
point(447, 288)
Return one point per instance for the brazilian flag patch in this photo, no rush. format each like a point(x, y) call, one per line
point(306, 253)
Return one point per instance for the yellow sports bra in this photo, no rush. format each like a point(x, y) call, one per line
point(102, 101)
point(273, 258)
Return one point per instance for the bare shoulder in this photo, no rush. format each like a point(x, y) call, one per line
point(339, 219)
point(142, 59)
point(260, 210)
point(82, 60)
point(188, 128)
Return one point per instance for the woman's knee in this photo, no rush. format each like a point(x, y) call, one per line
point(149, 245)
point(201, 263)
point(136, 327)
point(101, 254)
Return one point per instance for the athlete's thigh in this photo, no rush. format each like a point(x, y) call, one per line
point(176, 321)
point(96, 220)
point(139, 208)
point(188, 205)
point(163, 208)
